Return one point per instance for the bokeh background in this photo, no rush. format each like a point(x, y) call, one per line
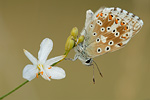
point(25, 23)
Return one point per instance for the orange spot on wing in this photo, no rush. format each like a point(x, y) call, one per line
point(122, 23)
point(41, 72)
point(101, 14)
point(49, 77)
point(116, 21)
point(110, 17)
point(124, 37)
point(37, 75)
point(120, 44)
point(97, 15)
point(125, 28)
point(50, 67)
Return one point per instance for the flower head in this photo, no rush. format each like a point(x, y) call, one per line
point(43, 66)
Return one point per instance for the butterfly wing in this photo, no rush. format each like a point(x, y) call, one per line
point(109, 30)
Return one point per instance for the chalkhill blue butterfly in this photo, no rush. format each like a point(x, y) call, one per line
point(108, 30)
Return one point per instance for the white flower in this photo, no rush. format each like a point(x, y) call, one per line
point(42, 65)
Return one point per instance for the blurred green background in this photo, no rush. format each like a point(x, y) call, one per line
point(25, 23)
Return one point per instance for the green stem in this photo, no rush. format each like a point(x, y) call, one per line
point(14, 90)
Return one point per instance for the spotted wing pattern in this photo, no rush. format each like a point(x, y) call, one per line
point(109, 29)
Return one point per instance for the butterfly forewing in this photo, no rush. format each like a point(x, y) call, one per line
point(109, 30)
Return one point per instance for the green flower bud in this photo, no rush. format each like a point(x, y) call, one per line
point(80, 39)
point(70, 43)
point(74, 33)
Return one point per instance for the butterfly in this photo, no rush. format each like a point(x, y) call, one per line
point(108, 30)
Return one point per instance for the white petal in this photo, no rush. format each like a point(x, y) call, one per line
point(30, 57)
point(29, 72)
point(56, 73)
point(51, 61)
point(44, 75)
point(45, 48)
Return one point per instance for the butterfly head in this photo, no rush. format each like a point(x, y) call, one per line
point(85, 61)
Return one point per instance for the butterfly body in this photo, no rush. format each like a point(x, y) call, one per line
point(82, 55)
point(108, 30)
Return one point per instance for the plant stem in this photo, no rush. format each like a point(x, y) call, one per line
point(14, 90)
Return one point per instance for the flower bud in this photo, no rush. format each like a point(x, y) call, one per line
point(70, 43)
point(74, 32)
point(80, 39)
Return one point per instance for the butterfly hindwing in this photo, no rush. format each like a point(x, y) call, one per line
point(109, 30)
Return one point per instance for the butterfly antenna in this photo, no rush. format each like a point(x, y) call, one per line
point(98, 69)
point(93, 75)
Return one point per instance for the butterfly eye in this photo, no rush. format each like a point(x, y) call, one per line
point(88, 61)
point(98, 40)
point(94, 34)
point(107, 48)
point(102, 29)
point(116, 34)
point(99, 50)
point(110, 42)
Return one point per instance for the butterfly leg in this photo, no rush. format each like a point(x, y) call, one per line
point(74, 59)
